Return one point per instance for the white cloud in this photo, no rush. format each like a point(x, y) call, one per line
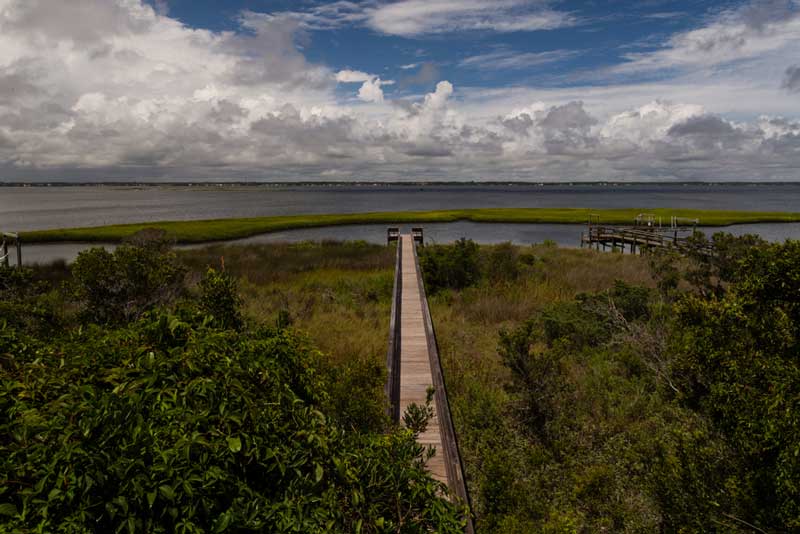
point(411, 18)
point(371, 91)
point(439, 97)
point(747, 33)
point(371, 84)
point(353, 76)
point(112, 88)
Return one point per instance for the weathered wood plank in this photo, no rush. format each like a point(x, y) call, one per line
point(415, 367)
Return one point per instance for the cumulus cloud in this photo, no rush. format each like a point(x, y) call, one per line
point(438, 98)
point(114, 88)
point(371, 91)
point(353, 76)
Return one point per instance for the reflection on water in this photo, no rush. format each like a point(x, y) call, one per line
point(566, 235)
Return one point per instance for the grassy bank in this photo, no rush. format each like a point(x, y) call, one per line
point(224, 229)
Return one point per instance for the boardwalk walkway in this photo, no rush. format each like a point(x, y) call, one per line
point(415, 361)
point(414, 367)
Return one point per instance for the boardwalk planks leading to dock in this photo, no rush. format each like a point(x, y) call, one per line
point(414, 367)
point(415, 362)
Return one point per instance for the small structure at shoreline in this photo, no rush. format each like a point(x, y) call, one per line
point(647, 232)
point(13, 240)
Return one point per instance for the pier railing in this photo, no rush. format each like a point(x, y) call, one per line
point(639, 238)
point(392, 387)
point(452, 455)
point(406, 359)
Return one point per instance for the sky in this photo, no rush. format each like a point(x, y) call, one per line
point(402, 90)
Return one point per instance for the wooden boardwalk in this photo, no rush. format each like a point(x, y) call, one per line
point(414, 367)
point(639, 239)
point(415, 361)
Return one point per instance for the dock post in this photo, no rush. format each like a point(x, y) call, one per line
point(5, 252)
point(19, 254)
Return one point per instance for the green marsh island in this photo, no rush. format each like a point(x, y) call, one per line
point(201, 231)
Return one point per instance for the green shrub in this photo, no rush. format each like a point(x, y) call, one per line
point(356, 399)
point(535, 373)
point(27, 303)
point(453, 266)
point(736, 358)
point(574, 323)
point(169, 425)
point(219, 298)
point(502, 263)
point(117, 287)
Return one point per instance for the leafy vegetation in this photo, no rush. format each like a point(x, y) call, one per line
point(590, 396)
point(120, 286)
point(221, 229)
point(179, 409)
point(144, 390)
point(450, 266)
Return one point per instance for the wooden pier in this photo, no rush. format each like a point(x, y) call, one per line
point(414, 367)
point(645, 234)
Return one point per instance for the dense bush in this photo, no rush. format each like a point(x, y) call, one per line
point(25, 302)
point(453, 266)
point(193, 429)
point(737, 362)
point(115, 287)
point(629, 409)
point(220, 299)
point(157, 415)
point(503, 263)
point(464, 264)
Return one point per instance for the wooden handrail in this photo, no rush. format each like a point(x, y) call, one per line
point(392, 387)
point(452, 457)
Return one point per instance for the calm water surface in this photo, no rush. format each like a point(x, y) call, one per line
point(566, 235)
point(31, 208)
point(35, 208)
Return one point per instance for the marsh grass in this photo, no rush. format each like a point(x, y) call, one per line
point(204, 231)
point(262, 264)
point(336, 294)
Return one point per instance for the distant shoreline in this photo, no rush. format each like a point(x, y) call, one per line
point(421, 183)
point(210, 230)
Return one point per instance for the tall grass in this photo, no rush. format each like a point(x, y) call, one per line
point(339, 293)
